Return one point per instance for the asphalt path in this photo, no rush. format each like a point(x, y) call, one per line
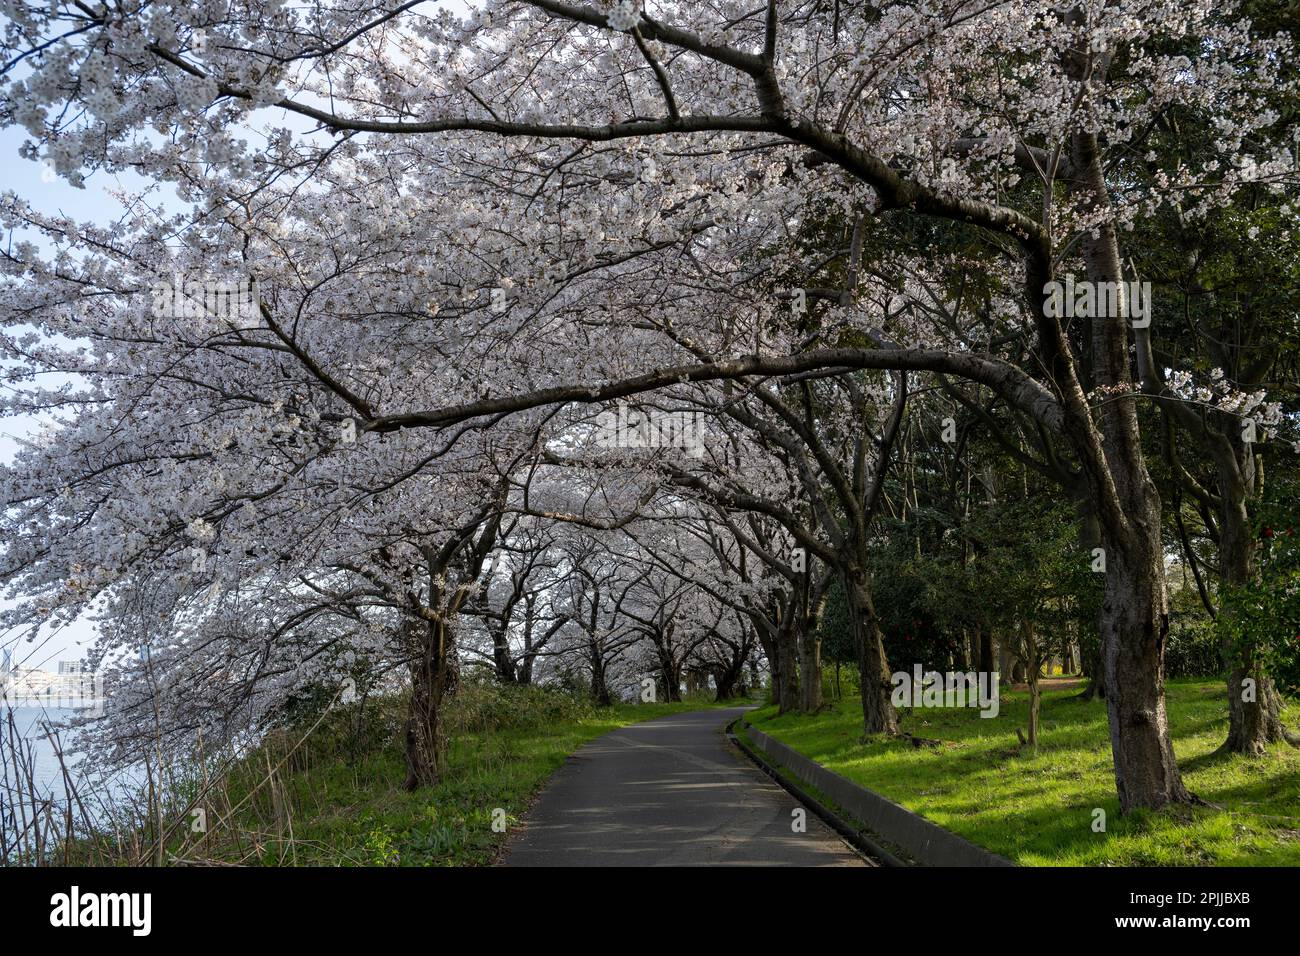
point(670, 792)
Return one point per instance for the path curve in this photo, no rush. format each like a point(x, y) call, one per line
point(670, 792)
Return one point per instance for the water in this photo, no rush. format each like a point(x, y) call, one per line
point(31, 724)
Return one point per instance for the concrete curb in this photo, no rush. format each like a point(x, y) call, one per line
point(854, 835)
point(925, 843)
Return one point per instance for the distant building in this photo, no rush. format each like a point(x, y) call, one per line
point(72, 687)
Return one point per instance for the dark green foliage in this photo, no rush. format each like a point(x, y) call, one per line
point(1263, 618)
point(1193, 649)
point(835, 630)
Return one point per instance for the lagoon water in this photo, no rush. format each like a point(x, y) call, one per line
point(31, 723)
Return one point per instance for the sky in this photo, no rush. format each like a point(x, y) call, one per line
point(50, 194)
point(95, 203)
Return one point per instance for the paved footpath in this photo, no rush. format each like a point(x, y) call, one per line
point(670, 792)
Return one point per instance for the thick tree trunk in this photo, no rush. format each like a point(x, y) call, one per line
point(1134, 628)
point(810, 669)
point(599, 684)
point(769, 645)
point(452, 683)
point(987, 659)
point(1134, 615)
point(785, 675)
point(878, 714)
point(1254, 713)
point(507, 671)
point(670, 675)
point(1090, 664)
point(429, 680)
point(599, 688)
point(726, 679)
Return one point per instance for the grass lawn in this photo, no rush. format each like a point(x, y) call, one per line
point(349, 808)
point(1037, 808)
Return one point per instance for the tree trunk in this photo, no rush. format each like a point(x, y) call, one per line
point(599, 685)
point(878, 714)
point(1090, 651)
point(810, 669)
point(1134, 628)
point(1090, 665)
point(785, 675)
point(429, 679)
point(670, 676)
point(507, 671)
point(1252, 724)
point(769, 645)
point(1032, 667)
point(986, 657)
point(452, 683)
point(600, 689)
point(726, 678)
point(1035, 706)
point(1254, 709)
point(1068, 666)
point(1134, 615)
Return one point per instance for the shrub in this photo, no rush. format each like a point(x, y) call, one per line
point(1193, 648)
point(479, 706)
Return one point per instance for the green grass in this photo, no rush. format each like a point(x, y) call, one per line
point(346, 806)
point(1037, 808)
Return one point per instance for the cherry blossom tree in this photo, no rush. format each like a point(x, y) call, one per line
point(514, 606)
point(610, 202)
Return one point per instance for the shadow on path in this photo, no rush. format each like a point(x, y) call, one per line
point(669, 792)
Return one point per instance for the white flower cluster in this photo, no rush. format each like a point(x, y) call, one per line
point(265, 93)
point(200, 530)
point(624, 16)
point(130, 45)
point(31, 117)
point(1224, 397)
point(194, 94)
